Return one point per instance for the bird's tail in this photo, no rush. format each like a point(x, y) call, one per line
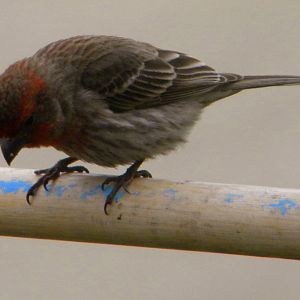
point(250, 82)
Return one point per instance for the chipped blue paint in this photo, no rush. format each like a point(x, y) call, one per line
point(283, 205)
point(98, 190)
point(14, 186)
point(119, 195)
point(72, 185)
point(93, 192)
point(230, 198)
point(170, 193)
point(59, 190)
point(48, 192)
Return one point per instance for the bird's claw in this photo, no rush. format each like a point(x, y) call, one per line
point(107, 181)
point(108, 202)
point(122, 181)
point(61, 166)
point(52, 174)
point(79, 169)
point(30, 193)
point(116, 179)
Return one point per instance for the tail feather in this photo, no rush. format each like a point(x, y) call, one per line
point(250, 82)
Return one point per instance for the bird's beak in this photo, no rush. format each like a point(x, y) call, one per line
point(11, 146)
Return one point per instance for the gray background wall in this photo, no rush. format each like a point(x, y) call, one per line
point(250, 138)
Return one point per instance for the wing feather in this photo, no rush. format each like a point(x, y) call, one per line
point(132, 80)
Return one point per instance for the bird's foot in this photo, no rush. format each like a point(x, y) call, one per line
point(53, 173)
point(123, 181)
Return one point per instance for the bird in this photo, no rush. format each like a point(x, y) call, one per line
point(109, 101)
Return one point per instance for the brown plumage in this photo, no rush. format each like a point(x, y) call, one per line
point(109, 101)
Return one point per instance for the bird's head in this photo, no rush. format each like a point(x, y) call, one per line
point(25, 120)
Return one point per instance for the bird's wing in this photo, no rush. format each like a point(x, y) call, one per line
point(130, 79)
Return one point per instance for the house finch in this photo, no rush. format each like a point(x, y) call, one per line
point(109, 101)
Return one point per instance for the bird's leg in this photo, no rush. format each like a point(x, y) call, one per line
point(52, 173)
point(123, 181)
